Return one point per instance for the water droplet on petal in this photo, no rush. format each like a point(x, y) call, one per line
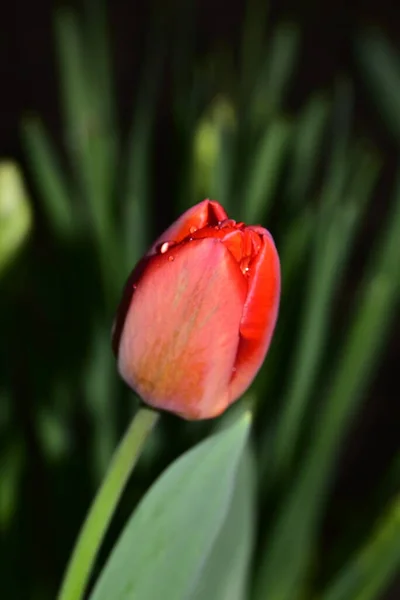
point(192, 229)
point(170, 258)
point(164, 247)
point(134, 286)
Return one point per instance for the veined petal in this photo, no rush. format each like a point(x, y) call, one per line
point(259, 315)
point(181, 332)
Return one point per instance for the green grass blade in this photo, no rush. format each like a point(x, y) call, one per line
point(307, 142)
point(49, 178)
point(85, 146)
point(373, 567)
point(276, 73)
point(265, 170)
point(335, 235)
point(136, 176)
point(101, 91)
point(253, 43)
point(381, 66)
point(213, 151)
point(289, 548)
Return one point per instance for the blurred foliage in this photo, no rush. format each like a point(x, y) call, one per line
point(306, 176)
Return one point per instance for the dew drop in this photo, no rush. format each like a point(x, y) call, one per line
point(134, 286)
point(192, 229)
point(170, 258)
point(164, 247)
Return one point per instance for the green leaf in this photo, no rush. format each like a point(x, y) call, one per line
point(49, 177)
point(136, 178)
point(307, 146)
point(11, 469)
point(375, 564)
point(213, 144)
point(265, 170)
point(381, 66)
point(15, 212)
point(167, 540)
point(276, 73)
point(333, 240)
point(225, 575)
point(290, 545)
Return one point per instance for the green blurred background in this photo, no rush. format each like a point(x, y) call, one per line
point(115, 118)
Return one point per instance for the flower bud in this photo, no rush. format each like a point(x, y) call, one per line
point(198, 312)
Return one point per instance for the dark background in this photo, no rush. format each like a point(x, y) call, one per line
point(28, 83)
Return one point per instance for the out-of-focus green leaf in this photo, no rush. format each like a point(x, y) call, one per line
point(99, 383)
point(15, 212)
point(136, 174)
point(381, 67)
point(85, 146)
point(274, 77)
point(225, 574)
point(167, 541)
point(213, 153)
point(264, 171)
point(53, 435)
point(253, 43)
point(11, 464)
point(372, 568)
point(49, 178)
point(102, 88)
point(289, 548)
point(307, 143)
point(294, 245)
point(334, 237)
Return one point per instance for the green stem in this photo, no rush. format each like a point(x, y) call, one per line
point(103, 507)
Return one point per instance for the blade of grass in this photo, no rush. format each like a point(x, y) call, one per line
point(381, 67)
point(307, 142)
point(276, 74)
point(86, 150)
point(101, 91)
point(264, 173)
point(335, 236)
point(49, 177)
point(136, 175)
point(252, 44)
point(289, 548)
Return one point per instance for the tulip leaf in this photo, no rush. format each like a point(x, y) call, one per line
point(167, 540)
point(225, 575)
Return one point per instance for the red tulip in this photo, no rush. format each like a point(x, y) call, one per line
point(198, 312)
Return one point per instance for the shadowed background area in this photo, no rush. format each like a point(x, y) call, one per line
point(114, 119)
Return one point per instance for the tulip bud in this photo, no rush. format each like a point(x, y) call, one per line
point(198, 312)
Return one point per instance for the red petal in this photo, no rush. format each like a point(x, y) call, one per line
point(259, 315)
point(207, 212)
point(180, 337)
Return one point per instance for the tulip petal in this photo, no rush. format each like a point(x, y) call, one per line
point(207, 212)
point(181, 333)
point(259, 315)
